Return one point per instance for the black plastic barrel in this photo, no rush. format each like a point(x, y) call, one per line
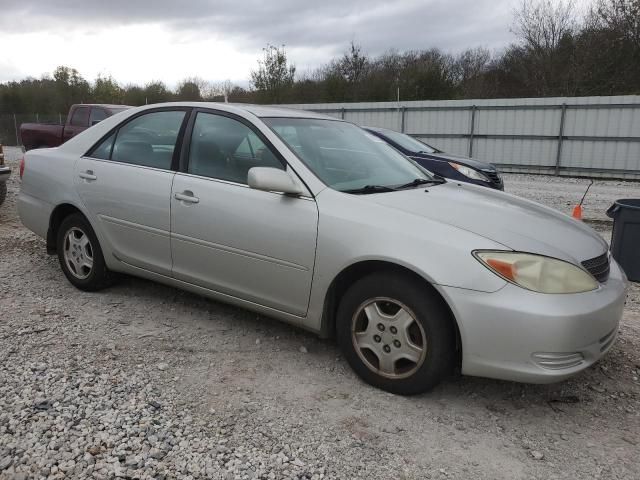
point(625, 239)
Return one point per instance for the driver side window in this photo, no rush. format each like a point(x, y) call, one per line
point(226, 149)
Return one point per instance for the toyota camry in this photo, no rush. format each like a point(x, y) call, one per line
point(316, 222)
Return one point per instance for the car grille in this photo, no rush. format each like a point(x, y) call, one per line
point(493, 175)
point(598, 267)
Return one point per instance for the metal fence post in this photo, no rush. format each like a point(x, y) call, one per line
point(60, 118)
point(471, 130)
point(403, 110)
point(563, 114)
point(15, 126)
point(342, 113)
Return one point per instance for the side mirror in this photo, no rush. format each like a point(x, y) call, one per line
point(273, 180)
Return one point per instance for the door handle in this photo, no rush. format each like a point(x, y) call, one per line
point(88, 175)
point(186, 196)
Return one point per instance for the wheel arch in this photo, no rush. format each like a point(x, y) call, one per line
point(358, 270)
point(56, 218)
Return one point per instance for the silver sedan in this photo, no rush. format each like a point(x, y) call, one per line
point(313, 221)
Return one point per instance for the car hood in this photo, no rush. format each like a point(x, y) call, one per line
point(514, 222)
point(447, 157)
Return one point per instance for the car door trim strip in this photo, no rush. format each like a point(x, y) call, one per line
point(237, 251)
point(135, 226)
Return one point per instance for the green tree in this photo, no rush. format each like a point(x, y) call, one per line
point(274, 74)
point(134, 95)
point(156, 92)
point(190, 90)
point(106, 90)
point(70, 88)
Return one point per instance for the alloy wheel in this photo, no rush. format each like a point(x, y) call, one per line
point(78, 253)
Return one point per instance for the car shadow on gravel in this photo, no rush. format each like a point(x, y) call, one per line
point(246, 331)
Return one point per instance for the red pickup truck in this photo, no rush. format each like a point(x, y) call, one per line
point(81, 117)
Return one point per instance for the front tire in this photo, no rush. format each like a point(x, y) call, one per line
point(396, 333)
point(80, 255)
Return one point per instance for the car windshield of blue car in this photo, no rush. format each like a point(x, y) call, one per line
point(346, 157)
point(408, 143)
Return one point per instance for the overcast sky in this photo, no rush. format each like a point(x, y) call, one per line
point(141, 40)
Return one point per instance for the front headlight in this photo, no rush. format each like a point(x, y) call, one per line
point(536, 272)
point(470, 172)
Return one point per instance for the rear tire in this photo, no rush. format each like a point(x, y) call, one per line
point(396, 333)
point(80, 255)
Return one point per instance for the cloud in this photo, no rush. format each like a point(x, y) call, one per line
point(377, 24)
point(313, 31)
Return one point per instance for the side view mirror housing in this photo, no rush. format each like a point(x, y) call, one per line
point(273, 180)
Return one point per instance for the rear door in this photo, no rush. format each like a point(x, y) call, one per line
point(125, 183)
point(250, 244)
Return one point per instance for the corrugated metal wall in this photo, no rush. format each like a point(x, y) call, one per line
point(586, 136)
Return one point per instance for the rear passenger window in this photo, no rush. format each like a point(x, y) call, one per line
point(226, 149)
point(80, 117)
point(148, 140)
point(103, 150)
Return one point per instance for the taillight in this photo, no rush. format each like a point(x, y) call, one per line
point(21, 167)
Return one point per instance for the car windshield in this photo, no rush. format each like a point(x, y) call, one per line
point(407, 142)
point(346, 157)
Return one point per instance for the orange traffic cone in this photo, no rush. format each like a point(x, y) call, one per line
point(577, 212)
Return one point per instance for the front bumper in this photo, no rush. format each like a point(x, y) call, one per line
point(519, 335)
point(5, 173)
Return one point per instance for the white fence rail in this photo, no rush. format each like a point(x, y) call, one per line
point(577, 136)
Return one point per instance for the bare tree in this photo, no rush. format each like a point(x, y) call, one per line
point(470, 68)
point(544, 60)
point(620, 16)
point(353, 64)
point(222, 89)
point(542, 24)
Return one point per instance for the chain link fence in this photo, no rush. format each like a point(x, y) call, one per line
point(10, 124)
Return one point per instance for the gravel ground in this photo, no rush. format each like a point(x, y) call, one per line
point(146, 381)
point(562, 193)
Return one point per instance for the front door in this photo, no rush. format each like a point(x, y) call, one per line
point(255, 245)
point(125, 183)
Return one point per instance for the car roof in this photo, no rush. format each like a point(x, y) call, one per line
point(270, 111)
point(262, 111)
point(103, 105)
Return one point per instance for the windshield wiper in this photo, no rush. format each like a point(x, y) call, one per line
point(422, 181)
point(371, 189)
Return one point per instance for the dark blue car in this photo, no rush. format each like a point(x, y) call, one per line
point(449, 166)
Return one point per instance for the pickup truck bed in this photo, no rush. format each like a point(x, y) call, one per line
point(80, 117)
point(39, 135)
